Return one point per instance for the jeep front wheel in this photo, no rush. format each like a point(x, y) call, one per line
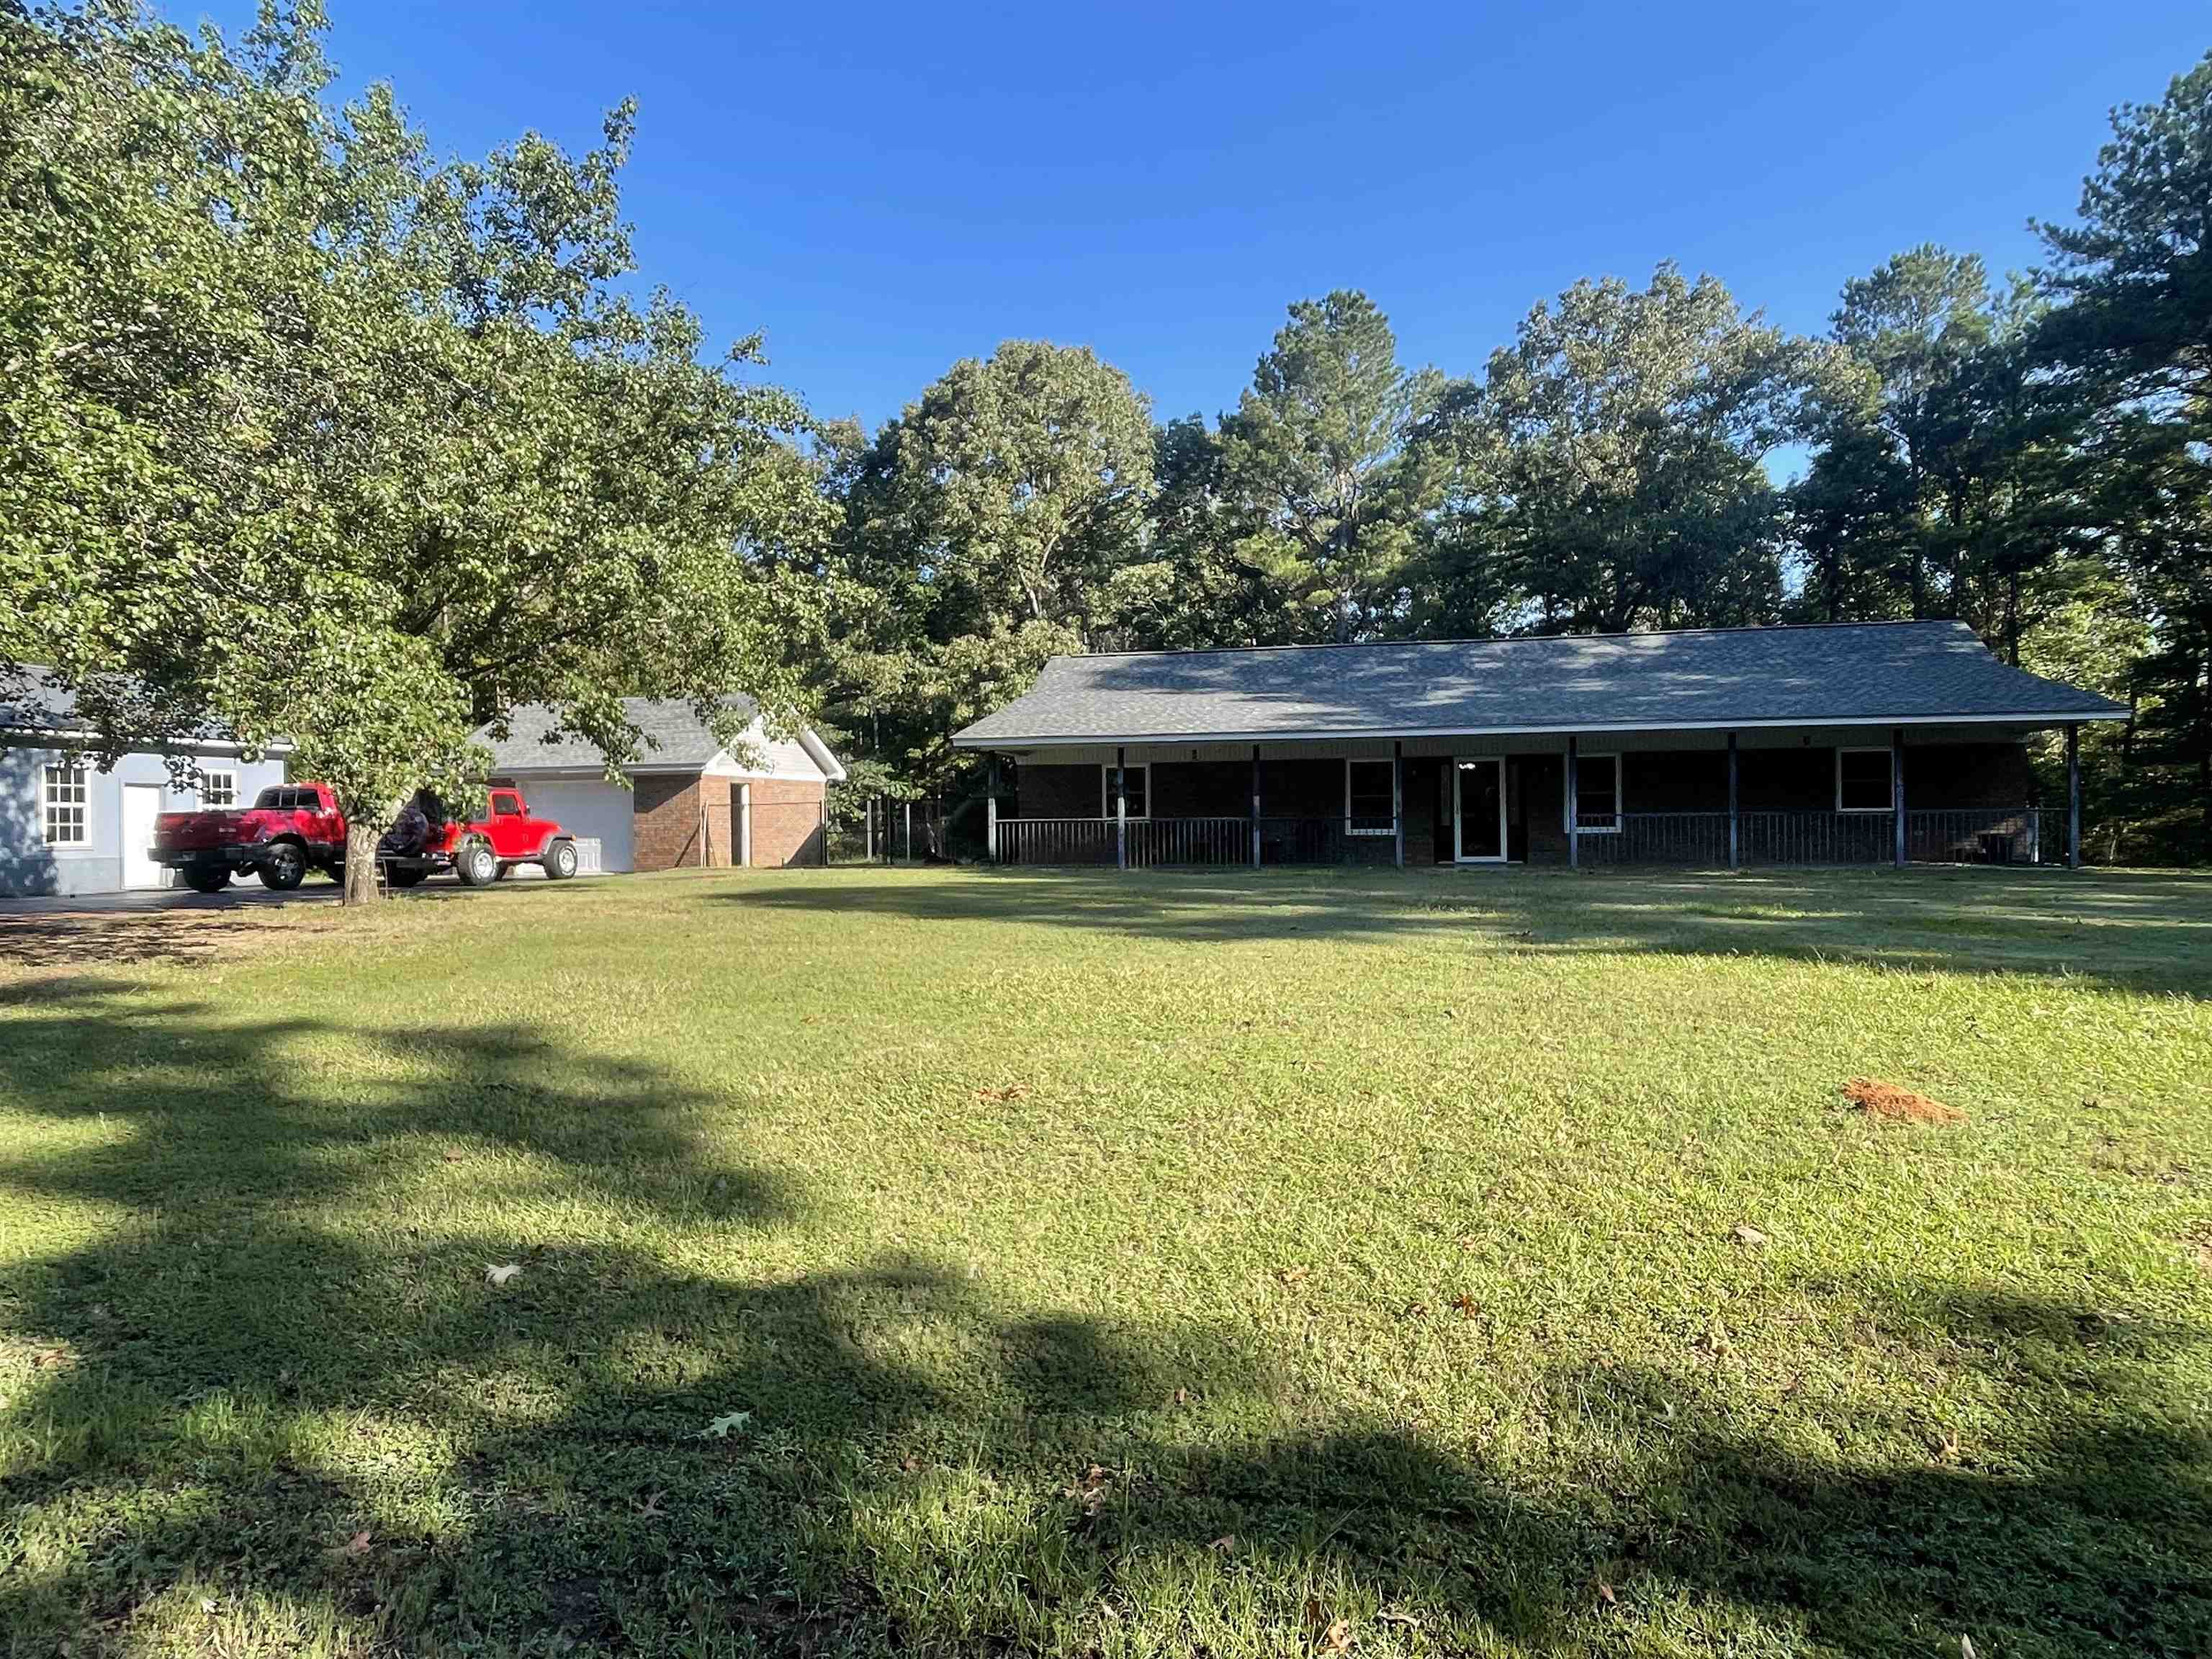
point(560, 860)
point(475, 864)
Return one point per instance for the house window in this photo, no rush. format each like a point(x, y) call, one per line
point(218, 789)
point(1368, 805)
point(1597, 794)
point(61, 806)
point(1136, 788)
point(1862, 781)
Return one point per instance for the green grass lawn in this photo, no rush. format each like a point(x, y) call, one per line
point(1449, 1263)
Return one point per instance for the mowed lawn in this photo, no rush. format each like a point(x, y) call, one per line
point(946, 1262)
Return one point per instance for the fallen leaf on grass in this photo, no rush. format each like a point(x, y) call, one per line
point(453, 1155)
point(1892, 1104)
point(356, 1545)
point(1606, 1595)
point(1745, 1233)
point(1414, 1310)
point(1330, 1634)
point(48, 1359)
point(1000, 1097)
point(1464, 1305)
point(1091, 1490)
point(496, 1275)
point(1292, 1274)
point(650, 1510)
point(721, 1427)
point(1224, 1544)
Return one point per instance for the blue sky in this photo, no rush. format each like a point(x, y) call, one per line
point(884, 190)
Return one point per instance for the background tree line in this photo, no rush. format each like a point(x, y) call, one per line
point(309, 432)
point(2029, 455)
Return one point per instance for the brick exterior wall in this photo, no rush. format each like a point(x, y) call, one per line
point(666, 831)
point(786, 822)
point(664, 823)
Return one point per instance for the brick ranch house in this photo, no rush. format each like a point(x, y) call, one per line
point(691, 802)
point(1851, 743)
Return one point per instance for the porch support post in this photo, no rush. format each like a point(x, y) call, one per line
point(1574, 820)
point(1735, 812)
point(1896, 794)
point(909, 832)
point(1398, 797)
point(2074, 797)
point(991, 814)
point(1120, 811)
point(1256, 806)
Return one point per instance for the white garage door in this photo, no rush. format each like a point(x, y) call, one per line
point(599, 810)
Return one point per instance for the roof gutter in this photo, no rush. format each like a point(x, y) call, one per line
point(819, 752)
point(990, 740)
point(55, 736)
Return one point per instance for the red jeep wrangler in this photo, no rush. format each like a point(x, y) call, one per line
point(425, 839)
point(291, 829)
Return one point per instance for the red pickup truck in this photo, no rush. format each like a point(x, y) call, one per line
point(294, 828)
point(291, 829)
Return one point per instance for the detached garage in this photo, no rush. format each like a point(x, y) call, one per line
point(690, 803)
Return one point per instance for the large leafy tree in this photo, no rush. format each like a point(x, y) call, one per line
point(2131, 339)
point(1319, 462)
point(308, 435)
point(981, 532)
point(1940, 486)
point(1616, 453)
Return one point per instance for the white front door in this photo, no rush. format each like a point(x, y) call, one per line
point(1479, 811)
point(141, 805)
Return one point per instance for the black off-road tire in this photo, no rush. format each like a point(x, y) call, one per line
point(202, 879)
point(409, 875)
point(560, 860)
point(476, 865)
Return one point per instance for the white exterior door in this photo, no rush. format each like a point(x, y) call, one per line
point(141, 805)
point(588, 810)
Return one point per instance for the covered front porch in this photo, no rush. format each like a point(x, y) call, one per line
point(1956, 793)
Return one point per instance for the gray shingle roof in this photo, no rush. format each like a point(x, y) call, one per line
point(1864, 673)
point(676, 740)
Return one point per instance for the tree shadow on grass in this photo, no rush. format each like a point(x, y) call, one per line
point(272, 1403)
point(2138, 931)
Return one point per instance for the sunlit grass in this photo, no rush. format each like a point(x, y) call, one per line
point(1466, 1263)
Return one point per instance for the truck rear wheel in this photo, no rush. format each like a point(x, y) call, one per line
point(475, 864)
point(284, 868)
point(560, 860)
point(405, 875)
point(205, 880)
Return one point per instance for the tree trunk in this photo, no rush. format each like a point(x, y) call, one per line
point(361, 886)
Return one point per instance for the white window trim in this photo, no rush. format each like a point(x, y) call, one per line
point(1889, 771)
point(1619, 799)
point(1351, 761)
point(209, 775)
point(83, 804)
point(1106, 790)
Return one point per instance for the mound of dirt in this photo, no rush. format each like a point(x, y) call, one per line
point(1892, 1104)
